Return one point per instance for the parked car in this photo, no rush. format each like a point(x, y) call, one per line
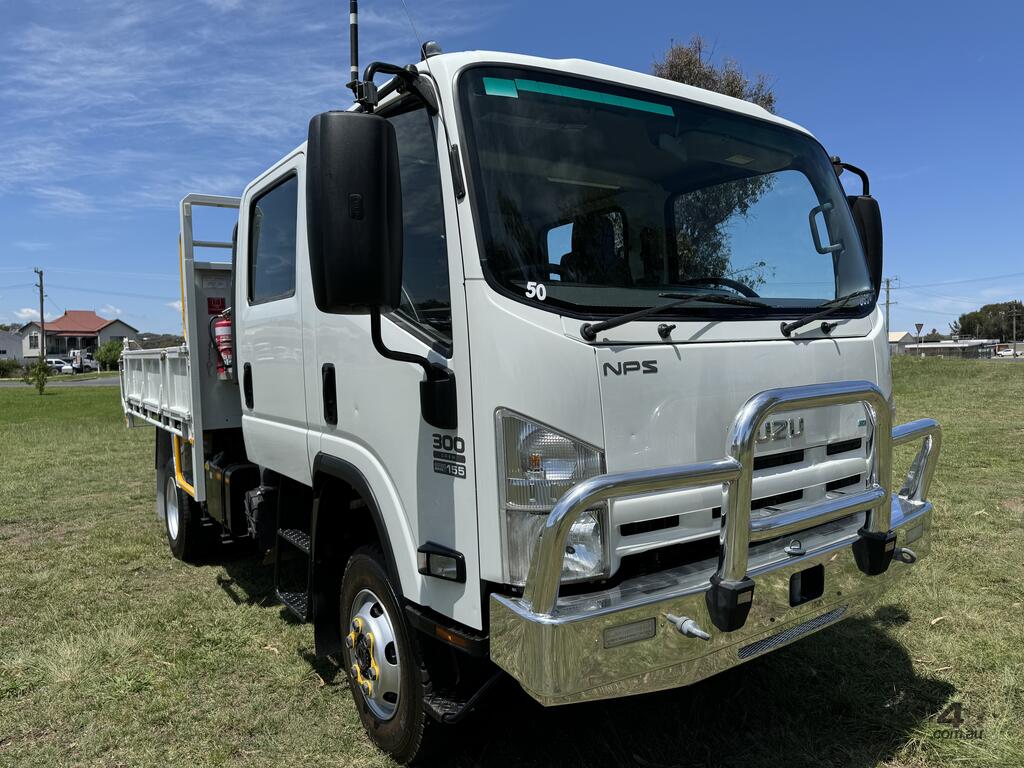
point(83, 362)
point(59, 365)
point(1005, 353)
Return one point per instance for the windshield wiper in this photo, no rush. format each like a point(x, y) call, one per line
point(589, 331)
point(824, 310)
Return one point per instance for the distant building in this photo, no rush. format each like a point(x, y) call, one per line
point(898, 341)
point(965, 348)
point(75, 329)
point(10, 345)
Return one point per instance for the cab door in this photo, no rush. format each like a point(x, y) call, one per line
point(272, 248)
point(422, 477)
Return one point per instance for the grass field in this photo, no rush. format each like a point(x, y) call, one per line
point(112, 653)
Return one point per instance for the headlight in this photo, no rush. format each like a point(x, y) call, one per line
point(537, 465)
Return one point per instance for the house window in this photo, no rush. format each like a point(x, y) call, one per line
point(33, 341)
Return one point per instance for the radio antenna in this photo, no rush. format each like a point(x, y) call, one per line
point(353, 46)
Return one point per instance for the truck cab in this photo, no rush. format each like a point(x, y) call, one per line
point(571, 373)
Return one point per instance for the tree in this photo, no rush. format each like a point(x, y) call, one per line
point(992, 321)
point(37, 374)
point(933, 335)
point(702, 244)
point(108, 354)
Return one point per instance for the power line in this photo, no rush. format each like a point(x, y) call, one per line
point(966, 280)
point(105, 292)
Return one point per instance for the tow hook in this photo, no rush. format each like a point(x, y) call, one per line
point(687, 627)
point(905, 555)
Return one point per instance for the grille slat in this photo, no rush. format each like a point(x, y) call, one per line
point(843, 446)
point(778, 459)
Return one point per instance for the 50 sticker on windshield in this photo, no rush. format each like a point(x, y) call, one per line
point(536, 291)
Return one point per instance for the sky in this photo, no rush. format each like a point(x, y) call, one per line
point(111, 111)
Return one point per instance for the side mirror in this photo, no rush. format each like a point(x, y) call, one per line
point(354, 213)
point(868, 219)
point(869, 226)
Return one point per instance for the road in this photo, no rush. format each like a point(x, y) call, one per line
point(103, 381)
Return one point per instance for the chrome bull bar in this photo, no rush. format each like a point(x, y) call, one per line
point(731, 592)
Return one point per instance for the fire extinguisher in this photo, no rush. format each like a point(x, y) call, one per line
point(220, 329)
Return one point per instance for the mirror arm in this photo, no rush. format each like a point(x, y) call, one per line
point(406, 80)
point(433, 371)
point(438, 401)
point(840, 166)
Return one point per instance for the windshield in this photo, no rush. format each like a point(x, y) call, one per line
point(594, 199)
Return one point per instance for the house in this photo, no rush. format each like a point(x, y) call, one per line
point(75, 329)
point(10, 346)
point(898, 341)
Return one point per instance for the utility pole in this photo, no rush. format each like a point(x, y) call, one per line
point(888, 287)
point(42, 318)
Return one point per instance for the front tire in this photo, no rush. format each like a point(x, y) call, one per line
point(181, 521)
point(385, 669)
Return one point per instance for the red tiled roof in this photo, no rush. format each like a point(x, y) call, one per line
point(77, 322)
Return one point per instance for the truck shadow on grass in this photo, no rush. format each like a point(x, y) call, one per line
point(847, 696)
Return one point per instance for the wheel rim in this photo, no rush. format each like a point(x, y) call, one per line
point(171, 510)
point(373, 654)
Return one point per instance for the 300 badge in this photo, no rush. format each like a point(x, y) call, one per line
point(449, 455)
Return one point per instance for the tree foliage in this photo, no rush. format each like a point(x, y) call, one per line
point(992, 321)
point(37, 374)
point(702, 242)
point(108, 354)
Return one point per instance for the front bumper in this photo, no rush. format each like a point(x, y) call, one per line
point(621, 641)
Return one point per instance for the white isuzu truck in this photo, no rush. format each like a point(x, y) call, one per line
point(540, 368)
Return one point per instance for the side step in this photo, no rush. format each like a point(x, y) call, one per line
point(446, 707)
point(291, 571)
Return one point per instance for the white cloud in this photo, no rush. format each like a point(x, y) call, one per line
point(175, 305)
point(31, 245)
point(96, 106)
point(109, 309)
point(64, 199)
point(27, 314)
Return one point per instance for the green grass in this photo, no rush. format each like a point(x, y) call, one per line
point(112, 653)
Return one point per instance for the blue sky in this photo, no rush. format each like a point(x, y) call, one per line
point(111, 111)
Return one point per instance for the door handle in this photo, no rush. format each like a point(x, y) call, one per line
point(330, 393)
point(247, 385)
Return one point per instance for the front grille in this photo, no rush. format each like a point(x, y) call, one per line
point(791, 634)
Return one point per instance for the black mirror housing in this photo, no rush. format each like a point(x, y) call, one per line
point(354, 213)
point(868, 219)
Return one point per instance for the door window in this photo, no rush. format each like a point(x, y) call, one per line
point(426, 297)
point(272, 222)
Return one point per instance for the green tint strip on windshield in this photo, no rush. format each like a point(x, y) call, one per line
point(500, 86)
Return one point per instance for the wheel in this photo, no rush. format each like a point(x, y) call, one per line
point(386, 673)
point(181, 520)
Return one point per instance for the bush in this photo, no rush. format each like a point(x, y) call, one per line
point(37, 375)
point(108, 355)
point(9, 369)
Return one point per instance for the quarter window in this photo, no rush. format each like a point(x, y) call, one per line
point(272, 222)
point(426, 297)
